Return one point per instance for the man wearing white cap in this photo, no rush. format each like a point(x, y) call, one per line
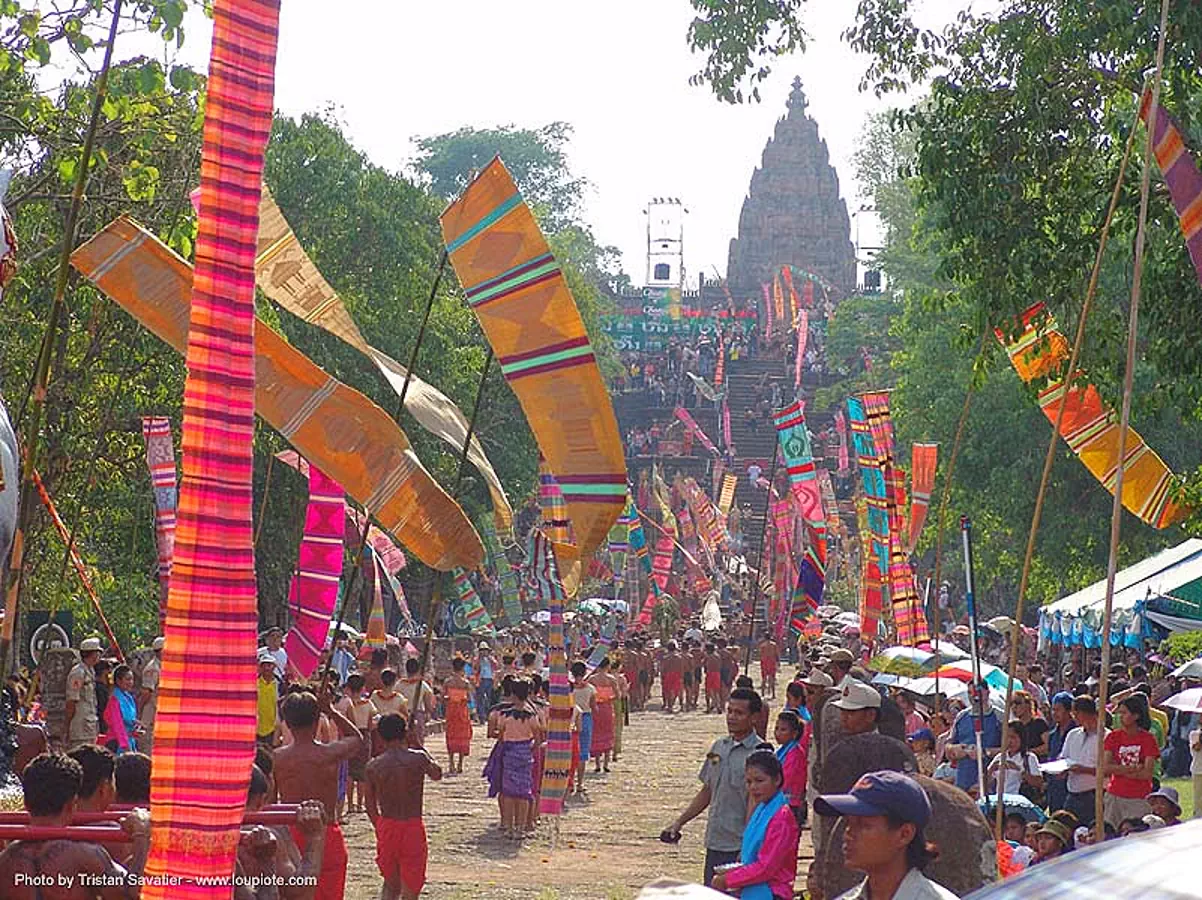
point(82, 722)
point(268, 700)
point(859, 707)
point(148, 699)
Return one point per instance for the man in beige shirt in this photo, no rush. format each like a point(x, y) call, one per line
point(148, 699)
point(82, 722)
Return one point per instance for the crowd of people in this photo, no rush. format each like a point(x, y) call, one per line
point(357, 738)
point(1045, 774)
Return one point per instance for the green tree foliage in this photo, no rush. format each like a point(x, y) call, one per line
point(994, 186)
point(537, 159)
point(928, 349)
point(373, 233)
point(1183, 646)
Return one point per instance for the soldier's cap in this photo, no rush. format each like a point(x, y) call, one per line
point(158, 644)
point(842, 655)
point(857, 695)
point(818, 678)
point(90, 645)
point(880, 794)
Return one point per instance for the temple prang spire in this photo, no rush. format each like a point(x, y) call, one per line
point(793, 214)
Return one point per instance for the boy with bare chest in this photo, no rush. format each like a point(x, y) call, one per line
point(395, 788)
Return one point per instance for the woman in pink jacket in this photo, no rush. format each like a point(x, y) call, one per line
point(793, 756)
point(768, 859)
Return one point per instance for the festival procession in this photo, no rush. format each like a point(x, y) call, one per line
point(372, 528)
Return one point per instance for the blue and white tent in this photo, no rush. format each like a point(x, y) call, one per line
point(1164, 590)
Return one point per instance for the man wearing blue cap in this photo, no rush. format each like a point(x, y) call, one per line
point(885, 815)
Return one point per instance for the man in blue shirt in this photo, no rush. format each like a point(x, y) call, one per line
point(962, 746)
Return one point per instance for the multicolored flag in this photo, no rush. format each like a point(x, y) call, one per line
point(160, 458)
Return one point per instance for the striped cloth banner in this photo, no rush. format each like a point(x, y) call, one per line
point(923, 461)
point(205, 723)
point(507, 576)
point(791, 304)
point(873, 480)
point(286, 274)
point(160, 458)
point(514, 285)
point(727, 498)
point(874, 523)
point(313, 594)
point(377, 627)
point(1090, 426)
point(803, 332)
point(720, 362)
point(319, 415)
point(475, 616)
point(798, 455)
point(727, 440)
point(908, 614)
point(778, 303)
point(691, 427)
point(557, 763)
point(1181, 174)
point(766, 288)
point(554, 508)
point(841, 430)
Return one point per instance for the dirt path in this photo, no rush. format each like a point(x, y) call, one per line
point(608, 843)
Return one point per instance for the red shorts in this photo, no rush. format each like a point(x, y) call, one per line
point(673, 683)
point(331, 880)
point(401, 852)
point(768, 668)
point(713, 682)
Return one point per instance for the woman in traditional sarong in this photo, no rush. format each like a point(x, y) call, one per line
point(458, 691)
point(621, 713)
point(519, 730)
point(604, 719)
point(542, 709)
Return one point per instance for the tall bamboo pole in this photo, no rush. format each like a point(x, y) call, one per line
point(1053, 441)
point(1116, 510)
point(27, 501)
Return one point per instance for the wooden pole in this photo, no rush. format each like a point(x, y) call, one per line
point(1054, 440)
point(943, 501)
point(417, 345)
point(27, 501)
point(1116, 510)
point(435, 605)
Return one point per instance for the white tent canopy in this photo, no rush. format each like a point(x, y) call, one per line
point(1077, 618)
point(1155, 576)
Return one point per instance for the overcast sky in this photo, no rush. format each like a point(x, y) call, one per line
point(618, 72)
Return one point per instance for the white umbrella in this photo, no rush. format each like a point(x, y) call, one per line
point(913, 654)
point(1186, 701)
point(1192, 669)
point(349, 630)
point(948, 651)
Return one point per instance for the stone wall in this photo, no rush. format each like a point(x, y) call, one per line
point(56, 664)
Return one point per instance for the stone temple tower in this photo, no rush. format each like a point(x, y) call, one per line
point(793, 213)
